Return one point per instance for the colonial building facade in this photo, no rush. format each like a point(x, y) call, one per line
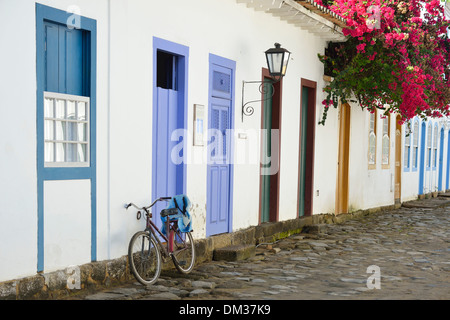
point(109, 102)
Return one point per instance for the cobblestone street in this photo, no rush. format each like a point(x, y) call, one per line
point(410, 247)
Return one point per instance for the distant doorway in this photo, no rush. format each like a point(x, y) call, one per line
point(422, 157)
point(306, 156)
point(343, 160)
point(398, 161)
point(270, 120)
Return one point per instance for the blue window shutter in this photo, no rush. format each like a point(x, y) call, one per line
point(64, 59)
point(51, 57)
point(73, 61)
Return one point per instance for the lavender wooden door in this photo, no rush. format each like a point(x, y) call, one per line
point(219, 169)
point(169, 120)
point(165, 175)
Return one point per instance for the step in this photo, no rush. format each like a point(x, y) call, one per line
point(234, 253)
point(315, 228)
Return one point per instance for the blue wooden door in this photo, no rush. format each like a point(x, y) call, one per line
point(422, 157)
point(219, 170)
point(168, 113)
point(165, 177)
point(441, 159)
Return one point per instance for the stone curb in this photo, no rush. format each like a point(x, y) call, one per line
point(103, 274)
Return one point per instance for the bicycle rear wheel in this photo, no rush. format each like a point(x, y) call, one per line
point(183, 254)
point(144, 258)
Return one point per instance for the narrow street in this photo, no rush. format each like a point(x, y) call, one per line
point(405, 252)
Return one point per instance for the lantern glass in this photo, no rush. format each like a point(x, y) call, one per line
point(285, 63)
point(277, 60)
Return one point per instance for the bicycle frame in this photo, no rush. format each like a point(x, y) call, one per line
point(151, 227)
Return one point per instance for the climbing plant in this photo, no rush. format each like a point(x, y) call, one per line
point(396, 58)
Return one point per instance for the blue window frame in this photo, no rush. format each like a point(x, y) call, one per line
point(66, 73)
point(407, 153)
point(415, 145)
point(429, 144)
point(435, 146)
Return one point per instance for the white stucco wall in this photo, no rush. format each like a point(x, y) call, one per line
point(18, 215)
point(369, 187)
point(18, 167)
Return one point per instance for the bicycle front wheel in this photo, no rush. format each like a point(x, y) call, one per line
point(144, 258)
point(183, 254)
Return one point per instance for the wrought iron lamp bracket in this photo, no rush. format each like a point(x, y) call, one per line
point(247, 109)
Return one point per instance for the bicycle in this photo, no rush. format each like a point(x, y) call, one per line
point(145, 249)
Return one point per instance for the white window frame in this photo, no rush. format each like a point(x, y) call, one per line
point(415, 148)
point(372, 152)
point(407, 155)
point(67, 97)
point(386, 140)
point(435, 146)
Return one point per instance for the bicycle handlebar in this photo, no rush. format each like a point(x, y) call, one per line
point(127, 205)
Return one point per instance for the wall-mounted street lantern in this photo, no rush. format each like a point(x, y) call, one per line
point(277, 62)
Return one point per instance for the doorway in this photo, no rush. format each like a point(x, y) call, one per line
point(441, 159)
point(219, 203)
point(422, 157)
point(306, 153)
point(398, 161)
point(343, 160)
point(169, 119)
point(270, 157)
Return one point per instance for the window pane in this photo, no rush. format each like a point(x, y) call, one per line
point(82, 148)
point(49, 153)
point(60, 130)
point(416, 134)
point(82, 132)
point(385, 157)
point(372, 122)
point(48, 130)
point(414, 157)
point(60, 152)
point(82, 111)
point(71, 152)
point(407, 154)
point(71, 131)
point(71, 110)
point(60, 112)
point(48, 108)
point(372, 148)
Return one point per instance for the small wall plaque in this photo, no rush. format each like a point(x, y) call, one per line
point(199, 116)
